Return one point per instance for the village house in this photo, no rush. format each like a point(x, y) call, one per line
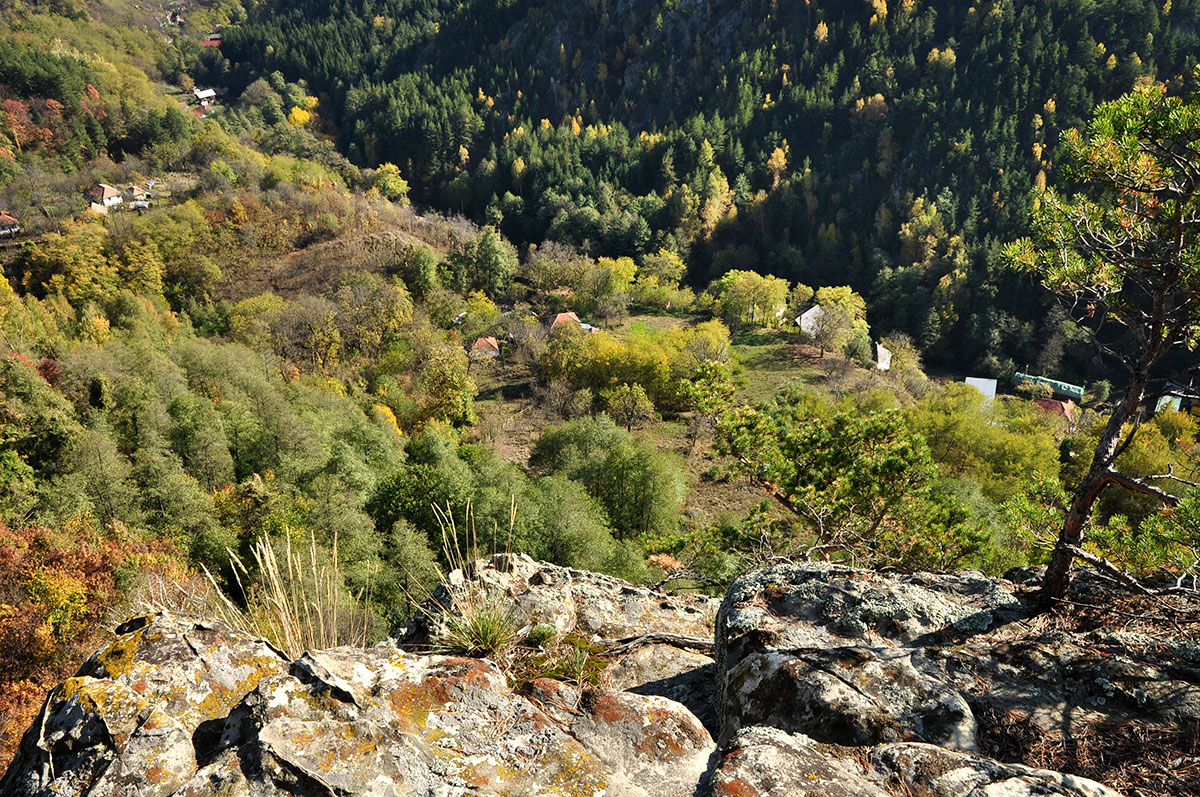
point(205, 97)
point(564, 318)
point(8, 224)
point(485, 348)
point(104, 195)
point(984, 385)
point(1063, 407)
point(139, 199)
point(883, 357)
point(809, 320)
point(1174, 397)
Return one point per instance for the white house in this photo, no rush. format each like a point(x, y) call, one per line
point(809, 319)
point(104, 194)
point(204, 96)
point(883, 357)
point(985, 386)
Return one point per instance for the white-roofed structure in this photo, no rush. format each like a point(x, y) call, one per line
point(809, 319)
point(883, 357)
point(985, 386)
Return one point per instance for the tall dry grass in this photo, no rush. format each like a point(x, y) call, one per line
point(299, 601)
point(478, 620)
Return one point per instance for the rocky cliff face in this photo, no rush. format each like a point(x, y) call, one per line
point(826, 681)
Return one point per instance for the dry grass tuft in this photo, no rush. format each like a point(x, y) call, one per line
point(299, 602)
point(474, 618)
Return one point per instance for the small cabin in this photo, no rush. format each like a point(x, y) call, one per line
point(809, 320)
point(1063, 407)
point(104, 195)
point(205, 96)
point(485, 348)
point(883, 358)
point(8, 224)
point(564, 318)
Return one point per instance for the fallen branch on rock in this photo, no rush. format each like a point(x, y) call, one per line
point(1114, 573)
point(619, 647)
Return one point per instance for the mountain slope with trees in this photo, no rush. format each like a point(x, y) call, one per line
point(890, 146)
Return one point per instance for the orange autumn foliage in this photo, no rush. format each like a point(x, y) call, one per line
point(57, 587)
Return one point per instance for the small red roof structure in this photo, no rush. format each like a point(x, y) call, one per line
point(564, 318)
point(103, 194)
point(135, 192)
point(485, 347)
point(1065, 408)
point(7, 219)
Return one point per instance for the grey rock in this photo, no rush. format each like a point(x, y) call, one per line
point(654, 741)
point(668, 671)
point(837, 653)
point(848, 696)
point(345, 721)
point(131, 721)
point(767, 762)
point(935, 772)
point(591, 605)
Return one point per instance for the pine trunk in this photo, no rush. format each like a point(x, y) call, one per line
point(1058, 574)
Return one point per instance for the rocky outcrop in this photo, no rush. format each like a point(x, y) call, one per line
point(668, 671)
point(570, 601)
point(767, 761)
point(599, 609)
point(914, 671)
point(828, 681)
point(936, 772)
point(763, 761)
point(131, 721)
point(843, 656)
point(175, 707)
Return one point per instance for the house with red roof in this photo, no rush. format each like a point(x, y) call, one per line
point(564, 318)
point(104, 194)
point(485, 348)
point(8, 224)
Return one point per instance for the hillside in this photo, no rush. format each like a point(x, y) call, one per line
point(301, 311)
point(887, 146)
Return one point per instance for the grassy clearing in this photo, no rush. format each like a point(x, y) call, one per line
point(772, 360)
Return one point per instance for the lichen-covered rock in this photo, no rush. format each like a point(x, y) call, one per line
point(130, 721)
point(652, 740)
point(1060, 681)
point(147, 717)
point(98, 736)
point(849, 696)
point(381, 721)
point(929, 770)
point(852, 657)
point(592, 605)
point(665, 670)
point(767, 762)
point(193, 671)
point(836, 653)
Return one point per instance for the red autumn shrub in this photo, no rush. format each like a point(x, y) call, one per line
point(57, 587)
